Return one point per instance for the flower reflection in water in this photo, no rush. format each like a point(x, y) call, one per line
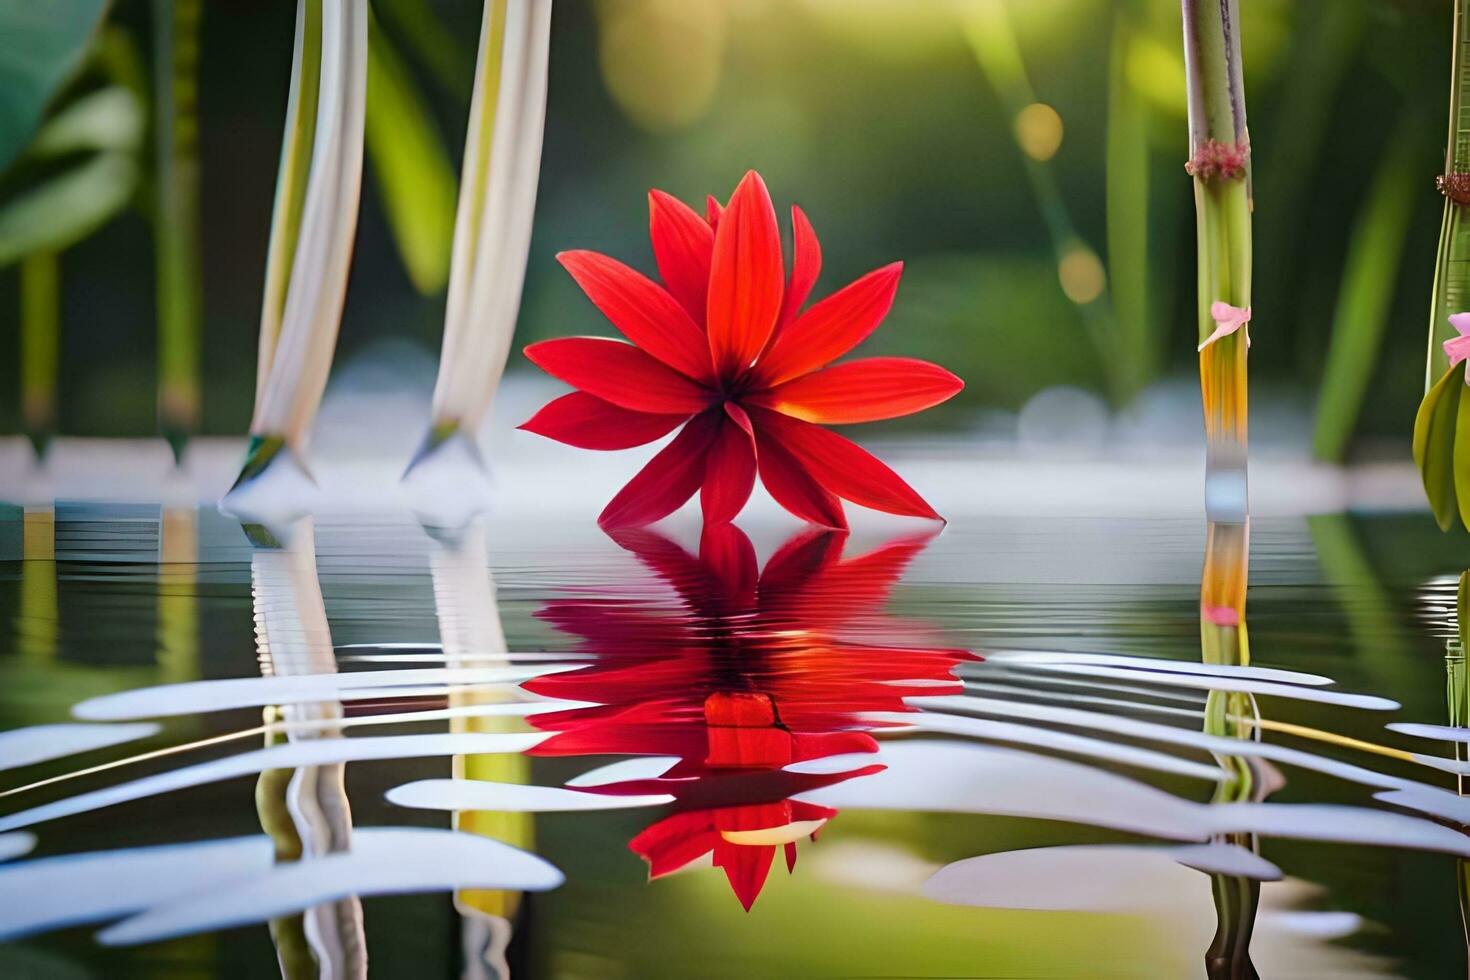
point(754, 671)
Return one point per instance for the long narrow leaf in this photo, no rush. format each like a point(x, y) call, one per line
point(496, 203)
point(414, 178)
point(1364, 302)
point(318, 276)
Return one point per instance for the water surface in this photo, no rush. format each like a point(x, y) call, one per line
point(1013, 748)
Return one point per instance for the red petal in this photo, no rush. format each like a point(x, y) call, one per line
point(619, 373)
point(842, 466)
point(729, 474)
point(806, 265)
point(682, 245)
point(790, 856)
point(740, 418)
point(669, 479)
point(747, 278)
point(728, 554)
point(588, 422)
point(793, 487)
point(863, 391)
point(832, 327)
point(644, 312)
point(745, 867)
point(713, 209)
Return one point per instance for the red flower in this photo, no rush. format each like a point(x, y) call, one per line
point(724, 349)
point(754, 670)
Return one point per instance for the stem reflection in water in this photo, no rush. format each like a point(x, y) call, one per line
point(1457, 698)
point(471, 636)
point(1231, 714)
point(305, 811)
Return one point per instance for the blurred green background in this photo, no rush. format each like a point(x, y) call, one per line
point(1042, 247)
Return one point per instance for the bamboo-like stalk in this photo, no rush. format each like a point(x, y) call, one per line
point(313, 225)
point(1441, 435)
point(1452, 266)
point(1219, 161)
point(176, 26)
point(40, 339)
point(492, 231)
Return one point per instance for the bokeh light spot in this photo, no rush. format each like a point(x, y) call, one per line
point(662, 59)
point(1039, 131)
point(1081, 274)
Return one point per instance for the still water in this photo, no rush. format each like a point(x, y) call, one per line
point(1013, 748)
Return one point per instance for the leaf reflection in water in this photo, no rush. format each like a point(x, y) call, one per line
point(1165, 884)
point(214, 884)
point(42, 743)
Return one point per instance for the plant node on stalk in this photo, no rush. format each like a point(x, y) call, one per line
point(1218, 160)
point(1455, 186)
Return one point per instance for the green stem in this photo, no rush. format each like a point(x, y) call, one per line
point(1128, 215)
point(176, 233)
point(1452, 266)
point(40, 338)
point(1219, 150)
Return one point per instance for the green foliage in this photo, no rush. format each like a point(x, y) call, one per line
point(72, 199)
point(414, 176)
point(1365, 301)
point(1442, 447)
point(1452, 267)
point(44, 43)
point(1128, 173)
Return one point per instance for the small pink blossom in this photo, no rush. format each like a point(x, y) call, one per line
point(1457, 349)
point(1228, 319)
point(1221, 615)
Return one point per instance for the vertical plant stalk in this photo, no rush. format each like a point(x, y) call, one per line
point(471, 635)
point(1219, 162)
point(40, 340)
point(312, 228)
point(1128, 214)
point(176, 224)
point(492, 231)
point(1230, 714)
point(1452, 264)
point(1442, 425)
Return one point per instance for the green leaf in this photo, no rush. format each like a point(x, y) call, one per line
point(107, 119)
point(1365, 299)
point(65, 209)
point(44, 41)
point(413, 174)
point(1434, 443)
point(1461, 464)
point(449, 60)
